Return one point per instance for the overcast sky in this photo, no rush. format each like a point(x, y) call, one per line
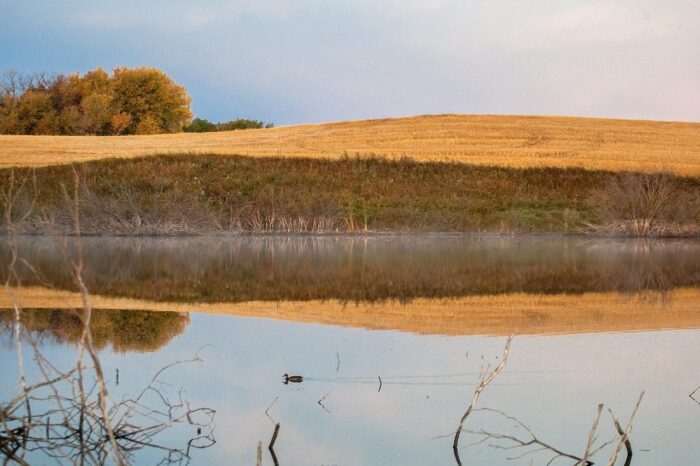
point(295, 61)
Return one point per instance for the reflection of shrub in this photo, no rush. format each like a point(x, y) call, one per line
point(125, 330)
point(643, 205)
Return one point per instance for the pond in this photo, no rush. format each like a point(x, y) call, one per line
point(391, 335)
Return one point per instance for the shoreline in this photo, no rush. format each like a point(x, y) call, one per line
point(363, 234)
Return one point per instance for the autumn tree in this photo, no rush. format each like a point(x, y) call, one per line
point(130, 101)
point(156, 103)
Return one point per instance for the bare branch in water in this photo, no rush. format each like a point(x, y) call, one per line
point(625, 435)
point(592, 435)
point(532, 440)
point(267, 411)
point(320, 402)
point(271, 446)
point(486, 378)
point(692, 395)
point(628, 444)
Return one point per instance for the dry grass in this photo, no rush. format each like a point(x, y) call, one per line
point(508, 141)
point(498, 314)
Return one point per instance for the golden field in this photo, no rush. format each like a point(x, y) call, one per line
point(508, 141)
point(501, 314)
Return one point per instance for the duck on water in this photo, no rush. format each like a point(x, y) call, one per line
point(292, 379)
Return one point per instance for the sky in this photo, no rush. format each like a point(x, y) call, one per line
point(299, 61)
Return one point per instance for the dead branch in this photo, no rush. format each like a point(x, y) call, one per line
point(592, 435)
point(271, 446)
point(320, 402)
point(628, 444)
point(692, 395)
point(515, 442)
point(485, 379)
point(625, 436)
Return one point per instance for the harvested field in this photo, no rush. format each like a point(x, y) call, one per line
point(506, 141)
point(521, 313)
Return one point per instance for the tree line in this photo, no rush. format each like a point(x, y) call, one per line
point(201, 125)
point(127, 101)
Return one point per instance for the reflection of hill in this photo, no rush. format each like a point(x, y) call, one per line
point(488, 315)
point(364, 268)
point(124, 330)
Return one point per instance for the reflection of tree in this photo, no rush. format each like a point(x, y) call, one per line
point(125, 330)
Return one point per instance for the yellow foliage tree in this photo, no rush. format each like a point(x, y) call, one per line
point(155, 102)
point(130, 101)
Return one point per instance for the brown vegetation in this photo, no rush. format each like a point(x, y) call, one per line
point(506, 141)
point(210, 194)
point(646, 205)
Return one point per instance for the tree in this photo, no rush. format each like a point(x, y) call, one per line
point(201, 125)
point(132, 100)
point(120, 122)
point(97, 113)
point(147, 125)
point(34, 114)
point(152, 97)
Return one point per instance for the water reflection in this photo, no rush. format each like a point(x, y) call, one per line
point(123, 330)
point(552, 384)
point(364, 269)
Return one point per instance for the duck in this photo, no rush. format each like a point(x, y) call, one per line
point(292, 378)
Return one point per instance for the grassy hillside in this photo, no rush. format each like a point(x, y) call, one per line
point(504, 141)
point(212, 193)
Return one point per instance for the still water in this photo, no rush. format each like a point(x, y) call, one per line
point(390, 335)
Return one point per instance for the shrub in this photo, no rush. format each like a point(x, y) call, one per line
point(643, 205)
point(200, 125)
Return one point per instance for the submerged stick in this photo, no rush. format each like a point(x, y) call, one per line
point(628, 444)
point(271, 447)
point(625, 435)
point(485, 380)
point(591, 435)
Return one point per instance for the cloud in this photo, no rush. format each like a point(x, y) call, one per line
point(313, 60)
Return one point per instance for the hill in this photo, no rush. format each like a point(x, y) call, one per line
point(504, 141)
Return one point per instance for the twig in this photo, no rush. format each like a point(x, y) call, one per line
point(271, 447)
point(320, 402)
point(626, 434)
point(517, 442)
point(485, 380)
point(692, 395)
point(592, 435)
point(268, 409)
point(628, 444)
